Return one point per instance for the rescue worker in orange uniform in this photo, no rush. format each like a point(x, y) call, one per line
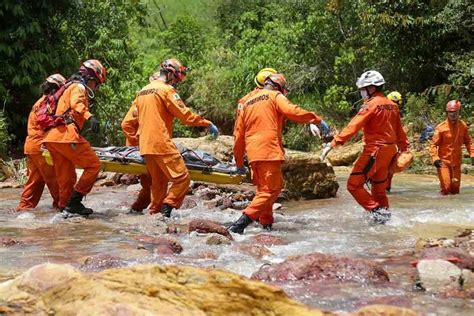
point(258, 133)
point(39, 172)
point(154, 108)
point(395, 97)
point(383, 138)
point(446, 149)
point(65, 143)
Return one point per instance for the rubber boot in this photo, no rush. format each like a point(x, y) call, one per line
point(74, 205)
point(380, 215)
point(267, 227)
point(239, 225)
point(166, 210)
point(133, 211)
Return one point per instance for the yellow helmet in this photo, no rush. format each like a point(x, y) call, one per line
point(262, 75)
point(396, 97)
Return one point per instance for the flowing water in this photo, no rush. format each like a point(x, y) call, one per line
point(333, 226)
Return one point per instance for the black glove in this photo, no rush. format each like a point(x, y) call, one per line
point(94, 124)
point(437, 163)
point(472, 161)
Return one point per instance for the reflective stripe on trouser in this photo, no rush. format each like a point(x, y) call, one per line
point(378, 174)
point(164, 169)
point(39, 174)
point(268, 178)
point(449, 179)
point(65, 157)
point(144, 196)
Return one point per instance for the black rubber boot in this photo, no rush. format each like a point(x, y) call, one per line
point(166, 210)
point(268, 227)
point(239, 225)
point(74, 205)
point(133, 211)
point(380, 215)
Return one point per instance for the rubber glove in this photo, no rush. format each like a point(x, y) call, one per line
point(437, 163)
point(94, 124)
point(213, 131)
point(327, 148)
point(314, 130)
point(241, 170)
point(324, 127)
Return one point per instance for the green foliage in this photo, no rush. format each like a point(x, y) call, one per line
point(423, 49)
point(4, 136)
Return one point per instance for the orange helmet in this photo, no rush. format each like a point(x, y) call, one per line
point(176, 67)
point(56, 79)
point(278, 80)
point(95, 68)
point(453, 106)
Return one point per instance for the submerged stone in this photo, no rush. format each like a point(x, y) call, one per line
point(206, 227)
point(318, 266)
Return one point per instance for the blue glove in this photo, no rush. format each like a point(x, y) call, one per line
point(213, 130)
point(324, 127)
point(94, 124)
point(241, 171)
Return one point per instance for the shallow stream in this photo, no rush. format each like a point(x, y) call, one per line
point(335, 226)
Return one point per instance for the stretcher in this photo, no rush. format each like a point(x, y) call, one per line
point(201, 166)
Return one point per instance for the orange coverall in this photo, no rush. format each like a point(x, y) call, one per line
point(446, 146)
point(258, 132)
point(68, 148)
point(157, 104)
point(39, 172)
point(383, 137)
point(130, 128)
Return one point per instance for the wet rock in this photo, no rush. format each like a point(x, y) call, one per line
point(105, 183)
point(438, 275)
point(8, 242)
point(161, 244)
point(117, 177)
point(144, 290)
point(205, 255)
point(276, 206)
point(217, 201)
point(467, 279)
point(318, 266)
point(188, 203)
point(205, 227)
point(469, 294)
point(163, 250)
point(373, 310)
point(307, 177)
point(345, 155)
point(129, 179)
point(256, 251)
point(267, 240)
point(240, 205)
point(102, 262)
point(177, 228)
point(400, 301)
point(216, 239)
point(459, 257)
point(10, 184)
point(37, 279)
point(226, 203)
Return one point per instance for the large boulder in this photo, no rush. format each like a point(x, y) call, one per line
point(148, 290)
point(305, 175)
point(345, 155)
point(318, 266)
point(438, 275)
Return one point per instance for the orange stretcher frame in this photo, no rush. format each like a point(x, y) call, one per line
point(136, 168)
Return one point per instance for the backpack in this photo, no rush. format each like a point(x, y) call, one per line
point(46, 112)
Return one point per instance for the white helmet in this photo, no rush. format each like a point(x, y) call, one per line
point(370, 78)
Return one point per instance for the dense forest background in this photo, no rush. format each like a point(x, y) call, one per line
point(424, 49)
